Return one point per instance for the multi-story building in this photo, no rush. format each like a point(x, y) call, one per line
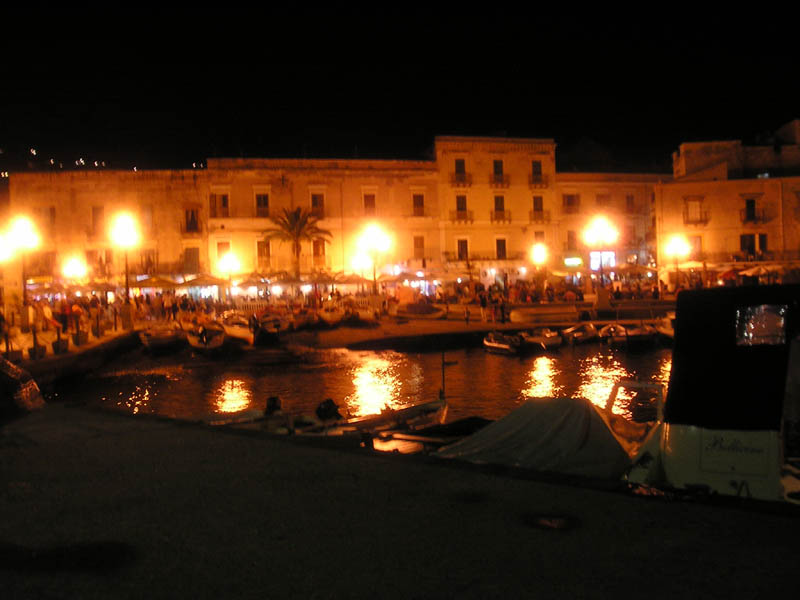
point(733, 203)
point(477, 208)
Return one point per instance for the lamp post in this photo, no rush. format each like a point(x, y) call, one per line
point(678, 247)
point(600, 234)
point(229, 264)
point(374, 241)
point(539, 258)
point(124, 233)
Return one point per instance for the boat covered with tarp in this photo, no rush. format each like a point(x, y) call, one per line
point(557, 435)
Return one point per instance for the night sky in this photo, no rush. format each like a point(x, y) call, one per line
point(166, 88)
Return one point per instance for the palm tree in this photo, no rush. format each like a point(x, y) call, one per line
point(296, 226)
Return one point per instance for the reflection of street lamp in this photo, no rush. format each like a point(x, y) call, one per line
point(600, 234)
point(539, 258)
point(125, 234)
point(374, 241)
point(22, 236)
point(229, 264)
point(678, 247)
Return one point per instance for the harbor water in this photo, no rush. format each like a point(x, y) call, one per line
point(476, 383)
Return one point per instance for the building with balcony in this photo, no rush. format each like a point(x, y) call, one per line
point(733, 203)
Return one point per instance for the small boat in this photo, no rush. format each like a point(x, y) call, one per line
point(543, 338)
point(163, 337)
point(629, 336)
point(206, 336)
point(580, 334)
point(237, 326)
point(331, 315)
point(666, 328)
point(501, 343)
point(270, 326)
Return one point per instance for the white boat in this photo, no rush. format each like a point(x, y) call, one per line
point(163, 337)
point(666, 328)
point(206, 336)
point(628, 336)
point(331, 315)
point(501, 343)
point(542, 338)
point(731, 419)
point(580, 334)
point(237, 326)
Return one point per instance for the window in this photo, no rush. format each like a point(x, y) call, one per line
point(46, 216)
point(460, 166)
point(538, 236)
point(497, 168)
point(499, 203)
point(369, 205)
point(463, 250)
point(500, 247)
point(696, 244)
point(762, 242)
point(218, 206)
point(571, 203)
point(603, 199)
point(318, 250)
point(419, 247)
point(263, 252)
point(630, 203)
point(148, 221)
point(262, 205)
point(536, 168)
point(97, 220)
point(572, 240)
point(318, 205)
point(461, 203)
point(747, 244)
point(419, 205)
point(191, 260)
point(149, 261)
point(191, 224)
point(538, 204)
point(694, 211)
point(223, 248)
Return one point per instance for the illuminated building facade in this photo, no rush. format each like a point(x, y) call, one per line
point(478, 207)
point(734, 203)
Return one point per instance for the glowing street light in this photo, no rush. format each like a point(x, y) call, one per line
point(374, 241)
point(539, 258)
point(229, 264)
point(74, 268)
point(600, 234)
point(678, 247)
point(22, 236)
point(124, 233)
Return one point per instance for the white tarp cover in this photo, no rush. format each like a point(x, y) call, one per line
point(559, 435)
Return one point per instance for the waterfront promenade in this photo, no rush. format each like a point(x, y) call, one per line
point(99, 504)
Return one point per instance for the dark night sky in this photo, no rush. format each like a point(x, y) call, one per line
point(164, 88)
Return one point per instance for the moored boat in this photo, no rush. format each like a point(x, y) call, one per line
point(542, 338)
point(237, 326)
point(501, 343)
point(628, 336)
point(580, 334)
point(206, 336)
point(163, 337)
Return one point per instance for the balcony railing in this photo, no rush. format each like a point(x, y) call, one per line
point(537, 180)
point(461, 215)
point(539, 216)
point(499, 180)
point(461, 179)
point(758, 215)
point(500, 216)
point(191, 229)
point(695, 217)
point(571, 209)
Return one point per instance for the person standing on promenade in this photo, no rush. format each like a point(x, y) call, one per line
point(482, 299)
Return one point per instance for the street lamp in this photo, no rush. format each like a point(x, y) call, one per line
point(374, 241)
point(124, 234)
point(22, 236)
point(539, 258)
point(600, 233)
point(229, 264)
point(678, 247)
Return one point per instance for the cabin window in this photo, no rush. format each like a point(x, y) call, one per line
point(763, 325)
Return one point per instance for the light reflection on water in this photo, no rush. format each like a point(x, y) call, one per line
point(476, 383)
